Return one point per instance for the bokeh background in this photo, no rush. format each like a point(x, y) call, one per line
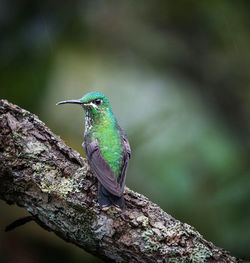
point(177, 75)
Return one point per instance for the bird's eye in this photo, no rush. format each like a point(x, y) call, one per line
point(97, 101)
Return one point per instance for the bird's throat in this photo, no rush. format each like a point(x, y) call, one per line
point(96, 122)
point(89, 121)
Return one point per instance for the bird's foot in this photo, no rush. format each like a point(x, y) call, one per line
point(117, 208)
point(105, 208)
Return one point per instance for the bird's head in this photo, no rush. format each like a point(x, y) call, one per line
point(94, 103)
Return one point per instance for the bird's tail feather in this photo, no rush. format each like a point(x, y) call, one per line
point(107, 199)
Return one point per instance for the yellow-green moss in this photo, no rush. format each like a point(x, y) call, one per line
point(151, 244)
point(143, 220)
point(52, 180)
point(35, 148)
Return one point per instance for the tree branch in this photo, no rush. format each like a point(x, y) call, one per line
point(50, 180)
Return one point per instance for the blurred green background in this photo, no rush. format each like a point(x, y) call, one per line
point(177, 76)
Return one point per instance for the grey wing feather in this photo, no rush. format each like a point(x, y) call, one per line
point(103, 171)
point(127, 156)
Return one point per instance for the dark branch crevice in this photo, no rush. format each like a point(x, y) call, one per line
point(51, 181)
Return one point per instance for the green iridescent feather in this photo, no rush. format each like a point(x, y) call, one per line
point(107, 148)
point(101, 124)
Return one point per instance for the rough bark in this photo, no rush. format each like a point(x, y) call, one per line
point(50, 180)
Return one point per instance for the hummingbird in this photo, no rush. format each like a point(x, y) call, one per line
point(107, 149)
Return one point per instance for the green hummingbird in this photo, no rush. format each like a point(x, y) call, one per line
point(107, 148)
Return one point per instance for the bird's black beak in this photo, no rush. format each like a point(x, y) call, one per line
point(69, 101)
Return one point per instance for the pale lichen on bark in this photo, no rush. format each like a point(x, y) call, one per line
point(49, 179)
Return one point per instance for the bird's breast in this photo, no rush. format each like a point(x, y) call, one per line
point(110, 145)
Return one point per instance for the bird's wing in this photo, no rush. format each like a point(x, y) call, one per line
point(102, 170)
point(127, 156)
